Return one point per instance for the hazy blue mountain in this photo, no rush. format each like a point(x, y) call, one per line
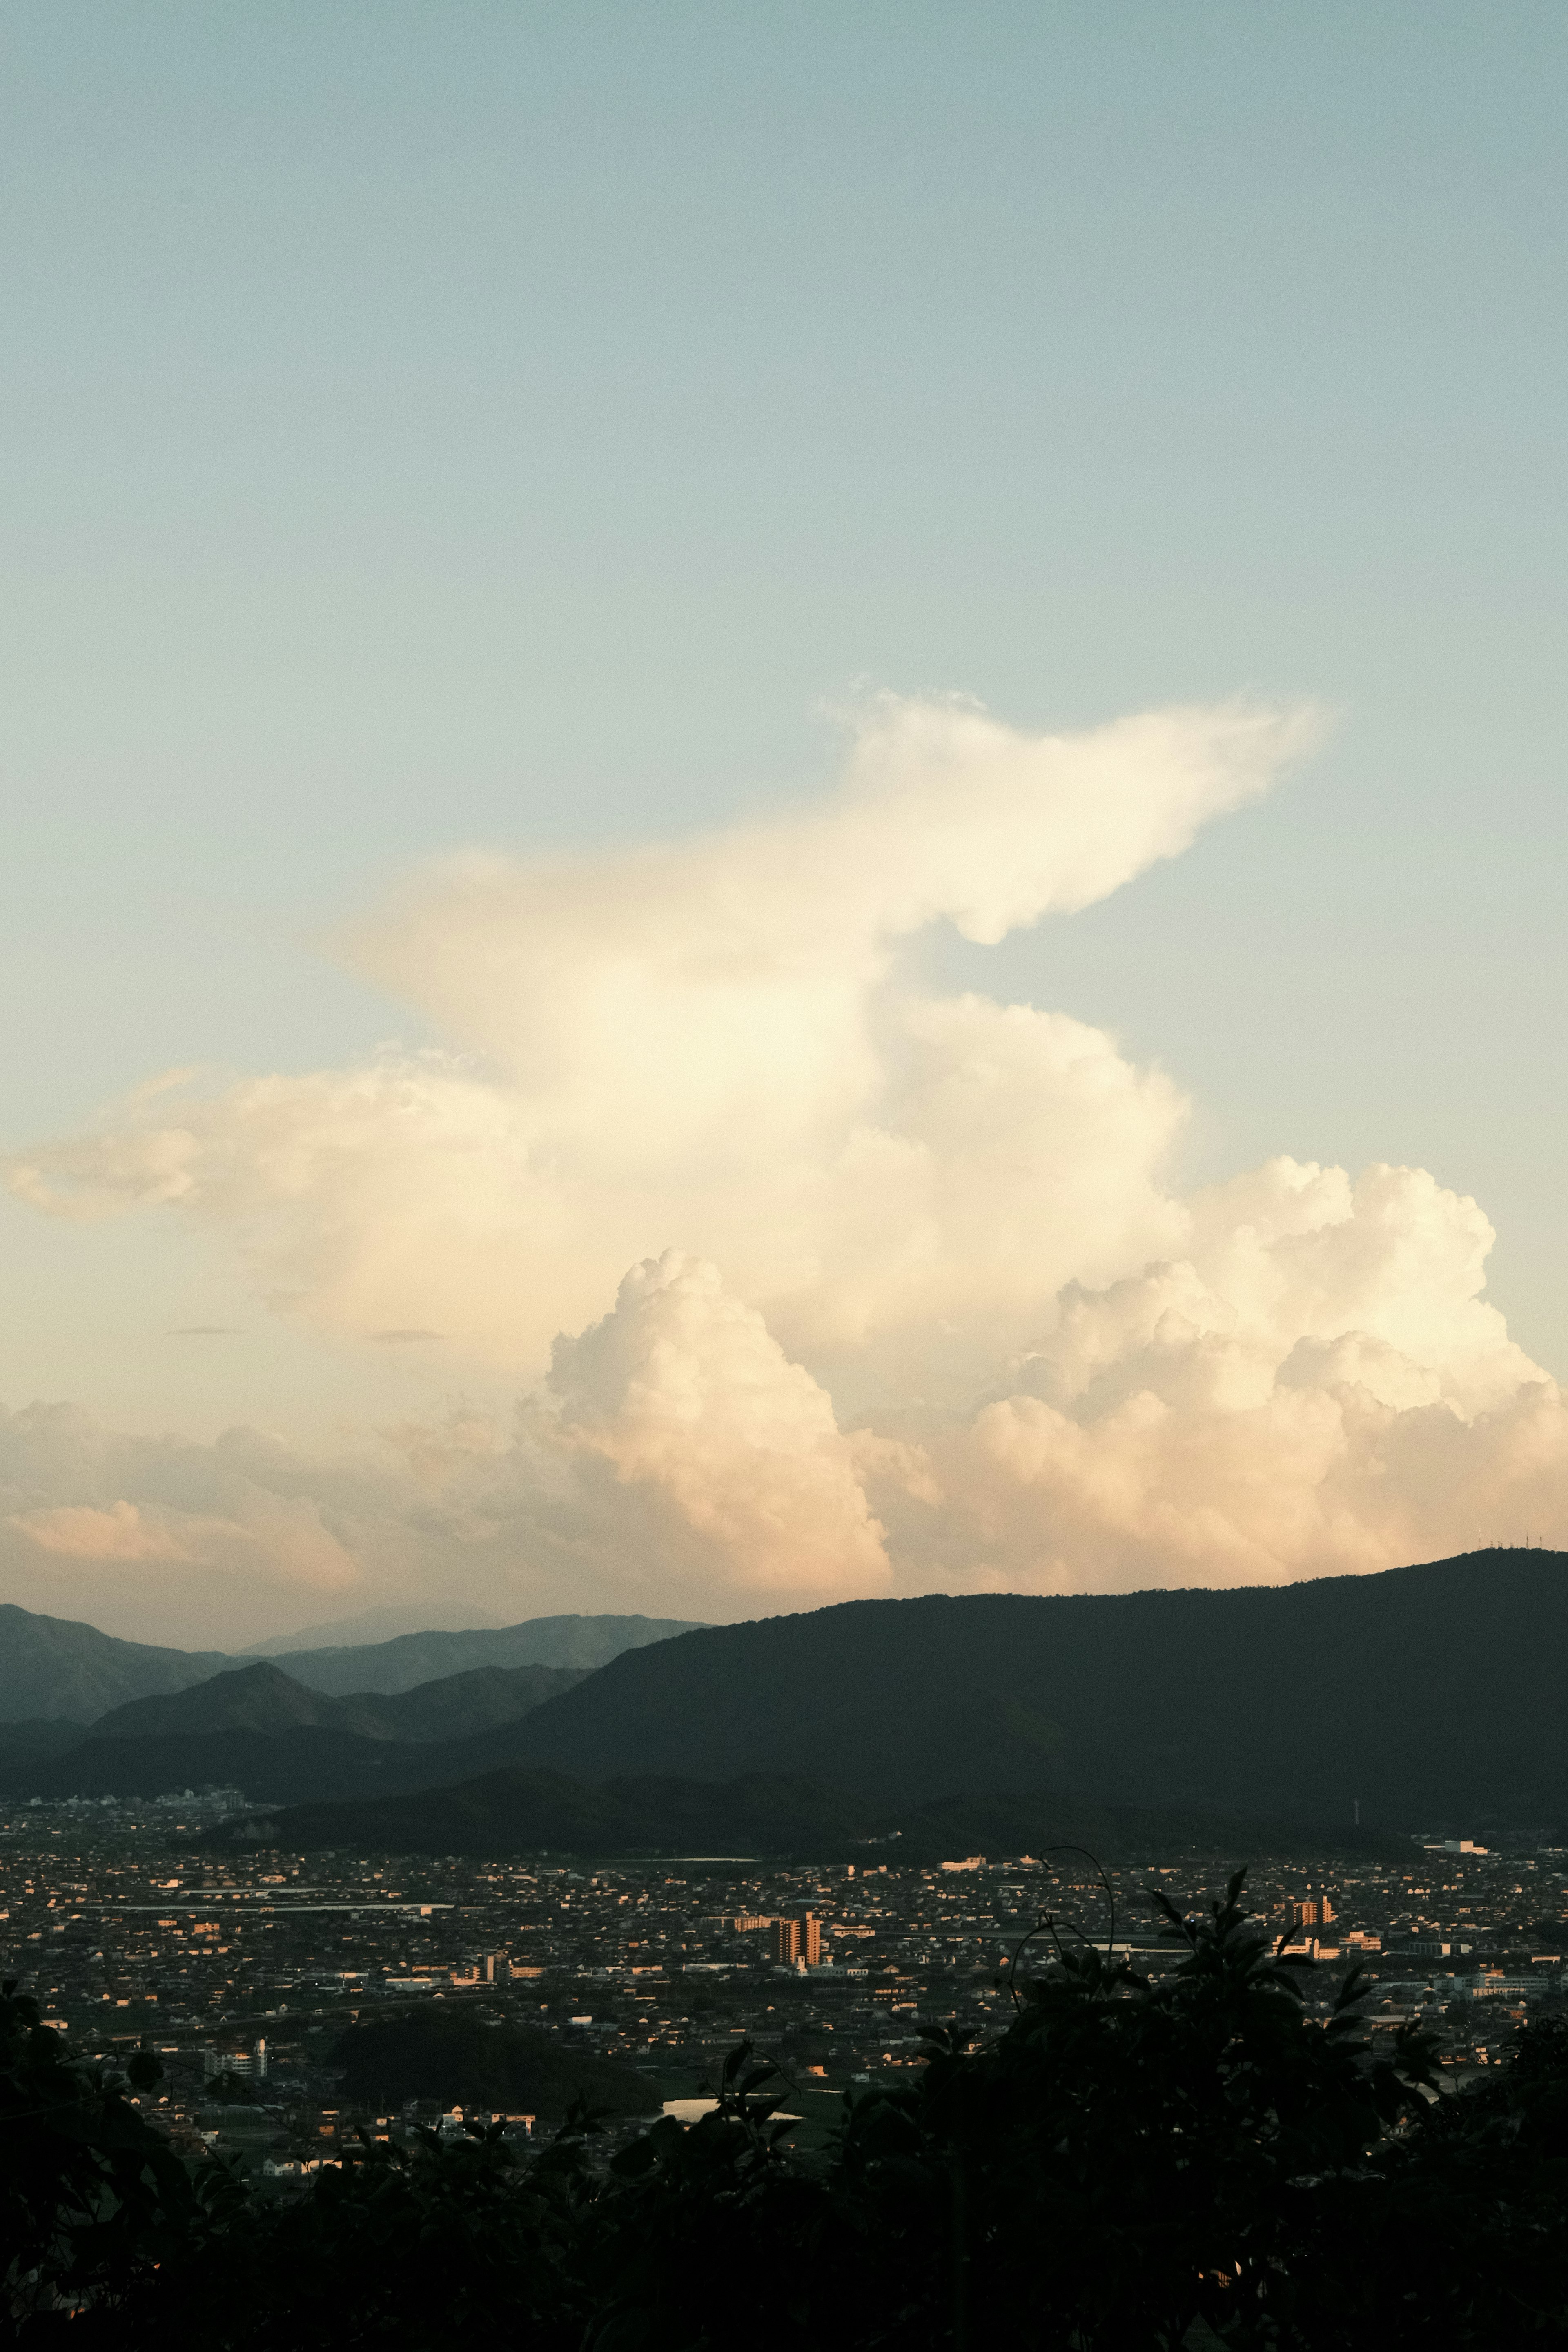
point(262, 1697)
point(255, 1728)
point(1432, 1695)
point(458, 1706)
point(376, 1624)
point(258, 1697)
point(410, 1658)
point(768, 1814)
point(53, 1667)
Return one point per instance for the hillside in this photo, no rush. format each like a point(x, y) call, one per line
point(40, 1735)
point(262, 1697)
point(54, 1666)
point(514, 1812)
point(461, 1706)
point(1430, 1694)
point(271, 1771)
point(255, 1728)
point(242, 1698)
point(584, 1643)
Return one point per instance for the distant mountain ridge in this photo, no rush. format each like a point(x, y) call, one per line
point(410, 1658)
point(53, 1667)
point(256, 1729)
point(262, 1697)
point(1429, 1694)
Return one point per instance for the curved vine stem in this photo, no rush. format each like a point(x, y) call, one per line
point(1049, 1922)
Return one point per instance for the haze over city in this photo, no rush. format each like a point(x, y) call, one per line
point(784, 800)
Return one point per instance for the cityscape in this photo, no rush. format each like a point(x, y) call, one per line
point(133, 1933)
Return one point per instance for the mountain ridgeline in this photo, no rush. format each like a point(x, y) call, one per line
point(1429, 1696)
point(53, 1667)
point(1421, 1699)
point(254, 1728)
point(580, 1642)
point(264, 1698)
point(178, 1724)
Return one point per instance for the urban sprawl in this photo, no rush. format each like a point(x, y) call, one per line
point(244, 1965)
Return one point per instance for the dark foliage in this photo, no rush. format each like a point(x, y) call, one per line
point(454, 2055)
point(1133, 2165)
point(90, 2196)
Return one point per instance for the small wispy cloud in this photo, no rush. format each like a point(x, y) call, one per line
point(206, 1331)
point(402, 1339)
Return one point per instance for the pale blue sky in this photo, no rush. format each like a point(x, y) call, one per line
point(506, 423)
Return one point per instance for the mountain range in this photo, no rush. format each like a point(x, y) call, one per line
point(264, 1698)
point(53, 1667)
point(1423, 1698)
point(409, 1658)
point(255, 1728)
point(1429, 1696)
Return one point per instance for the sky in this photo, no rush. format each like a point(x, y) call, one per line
point(783, 801)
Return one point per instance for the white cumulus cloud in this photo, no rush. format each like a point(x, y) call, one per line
point(717, 1045)
point(911, 1301)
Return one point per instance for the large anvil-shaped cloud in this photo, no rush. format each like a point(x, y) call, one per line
point(711, 1044)
point(913, 1302)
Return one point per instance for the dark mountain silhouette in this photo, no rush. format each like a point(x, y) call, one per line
point(484, 1698)
point(52, 1666)
point(771, 1814)
point(262, 1697)
point(1430, 1694)
point(269, 1770)
point(257, 1730)
point(243, 1699)
point(39, 1736)
point(409, 1658)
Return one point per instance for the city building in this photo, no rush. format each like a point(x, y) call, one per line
point(250, 2064)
